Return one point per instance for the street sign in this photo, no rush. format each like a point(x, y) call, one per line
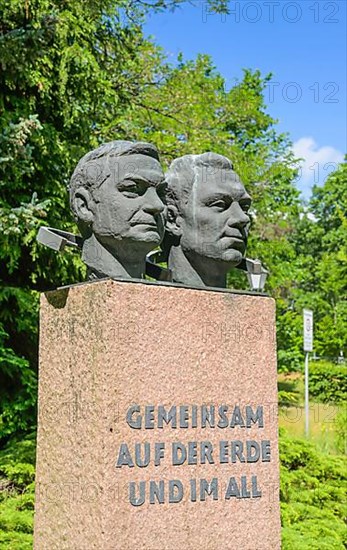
point(308, 346)
point(308, 330)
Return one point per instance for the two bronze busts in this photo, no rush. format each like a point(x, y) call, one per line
point(125, 207)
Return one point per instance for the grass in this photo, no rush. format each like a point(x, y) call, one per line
point(323, 417)
point(322, 420)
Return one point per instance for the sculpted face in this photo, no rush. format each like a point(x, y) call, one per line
point(128, 206)
point(214, 222)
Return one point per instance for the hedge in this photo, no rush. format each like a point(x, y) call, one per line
point(328, 382)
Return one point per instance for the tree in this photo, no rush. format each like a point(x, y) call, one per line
point(323, 233)
point(75, 75)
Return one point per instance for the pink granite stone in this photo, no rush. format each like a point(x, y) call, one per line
point(107, 346)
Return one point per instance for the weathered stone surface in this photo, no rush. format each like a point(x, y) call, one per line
point(106, 346)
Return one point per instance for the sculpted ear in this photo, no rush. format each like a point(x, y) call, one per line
point(84, 205)
point(174, 220)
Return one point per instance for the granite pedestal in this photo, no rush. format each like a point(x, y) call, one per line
point(157, 419)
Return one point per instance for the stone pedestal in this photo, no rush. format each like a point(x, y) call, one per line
point(157, 419)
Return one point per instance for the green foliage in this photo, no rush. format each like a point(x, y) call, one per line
point(18, 387)
point(341, 429)
point(288, 393)
point(323, 272)
point(17, 473)
point(316, 269)
point(312, 497)
point(17, 460)
point(217, 6)
point(328, 382)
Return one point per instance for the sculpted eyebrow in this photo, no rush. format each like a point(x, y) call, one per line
point(133, 179)
point(219, 196)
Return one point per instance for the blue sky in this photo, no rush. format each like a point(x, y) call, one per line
point(302, 43)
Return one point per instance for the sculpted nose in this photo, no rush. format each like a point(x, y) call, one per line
point(153, 203)
point(238, 217)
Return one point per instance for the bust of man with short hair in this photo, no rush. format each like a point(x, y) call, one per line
point(116, 196)
point(207, 219)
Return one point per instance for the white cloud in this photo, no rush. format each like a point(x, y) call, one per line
point(318, 163)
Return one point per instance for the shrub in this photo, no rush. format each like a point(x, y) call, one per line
point(17, 493)
point(328, 382)
point(312, 497)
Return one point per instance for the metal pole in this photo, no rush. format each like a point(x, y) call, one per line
point(306, 397)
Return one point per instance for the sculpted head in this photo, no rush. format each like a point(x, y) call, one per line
point(207, 211)
point(116, 196)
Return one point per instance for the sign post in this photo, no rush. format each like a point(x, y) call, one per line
point(308, 347)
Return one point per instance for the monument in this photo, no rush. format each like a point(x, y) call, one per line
point(157, 420)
